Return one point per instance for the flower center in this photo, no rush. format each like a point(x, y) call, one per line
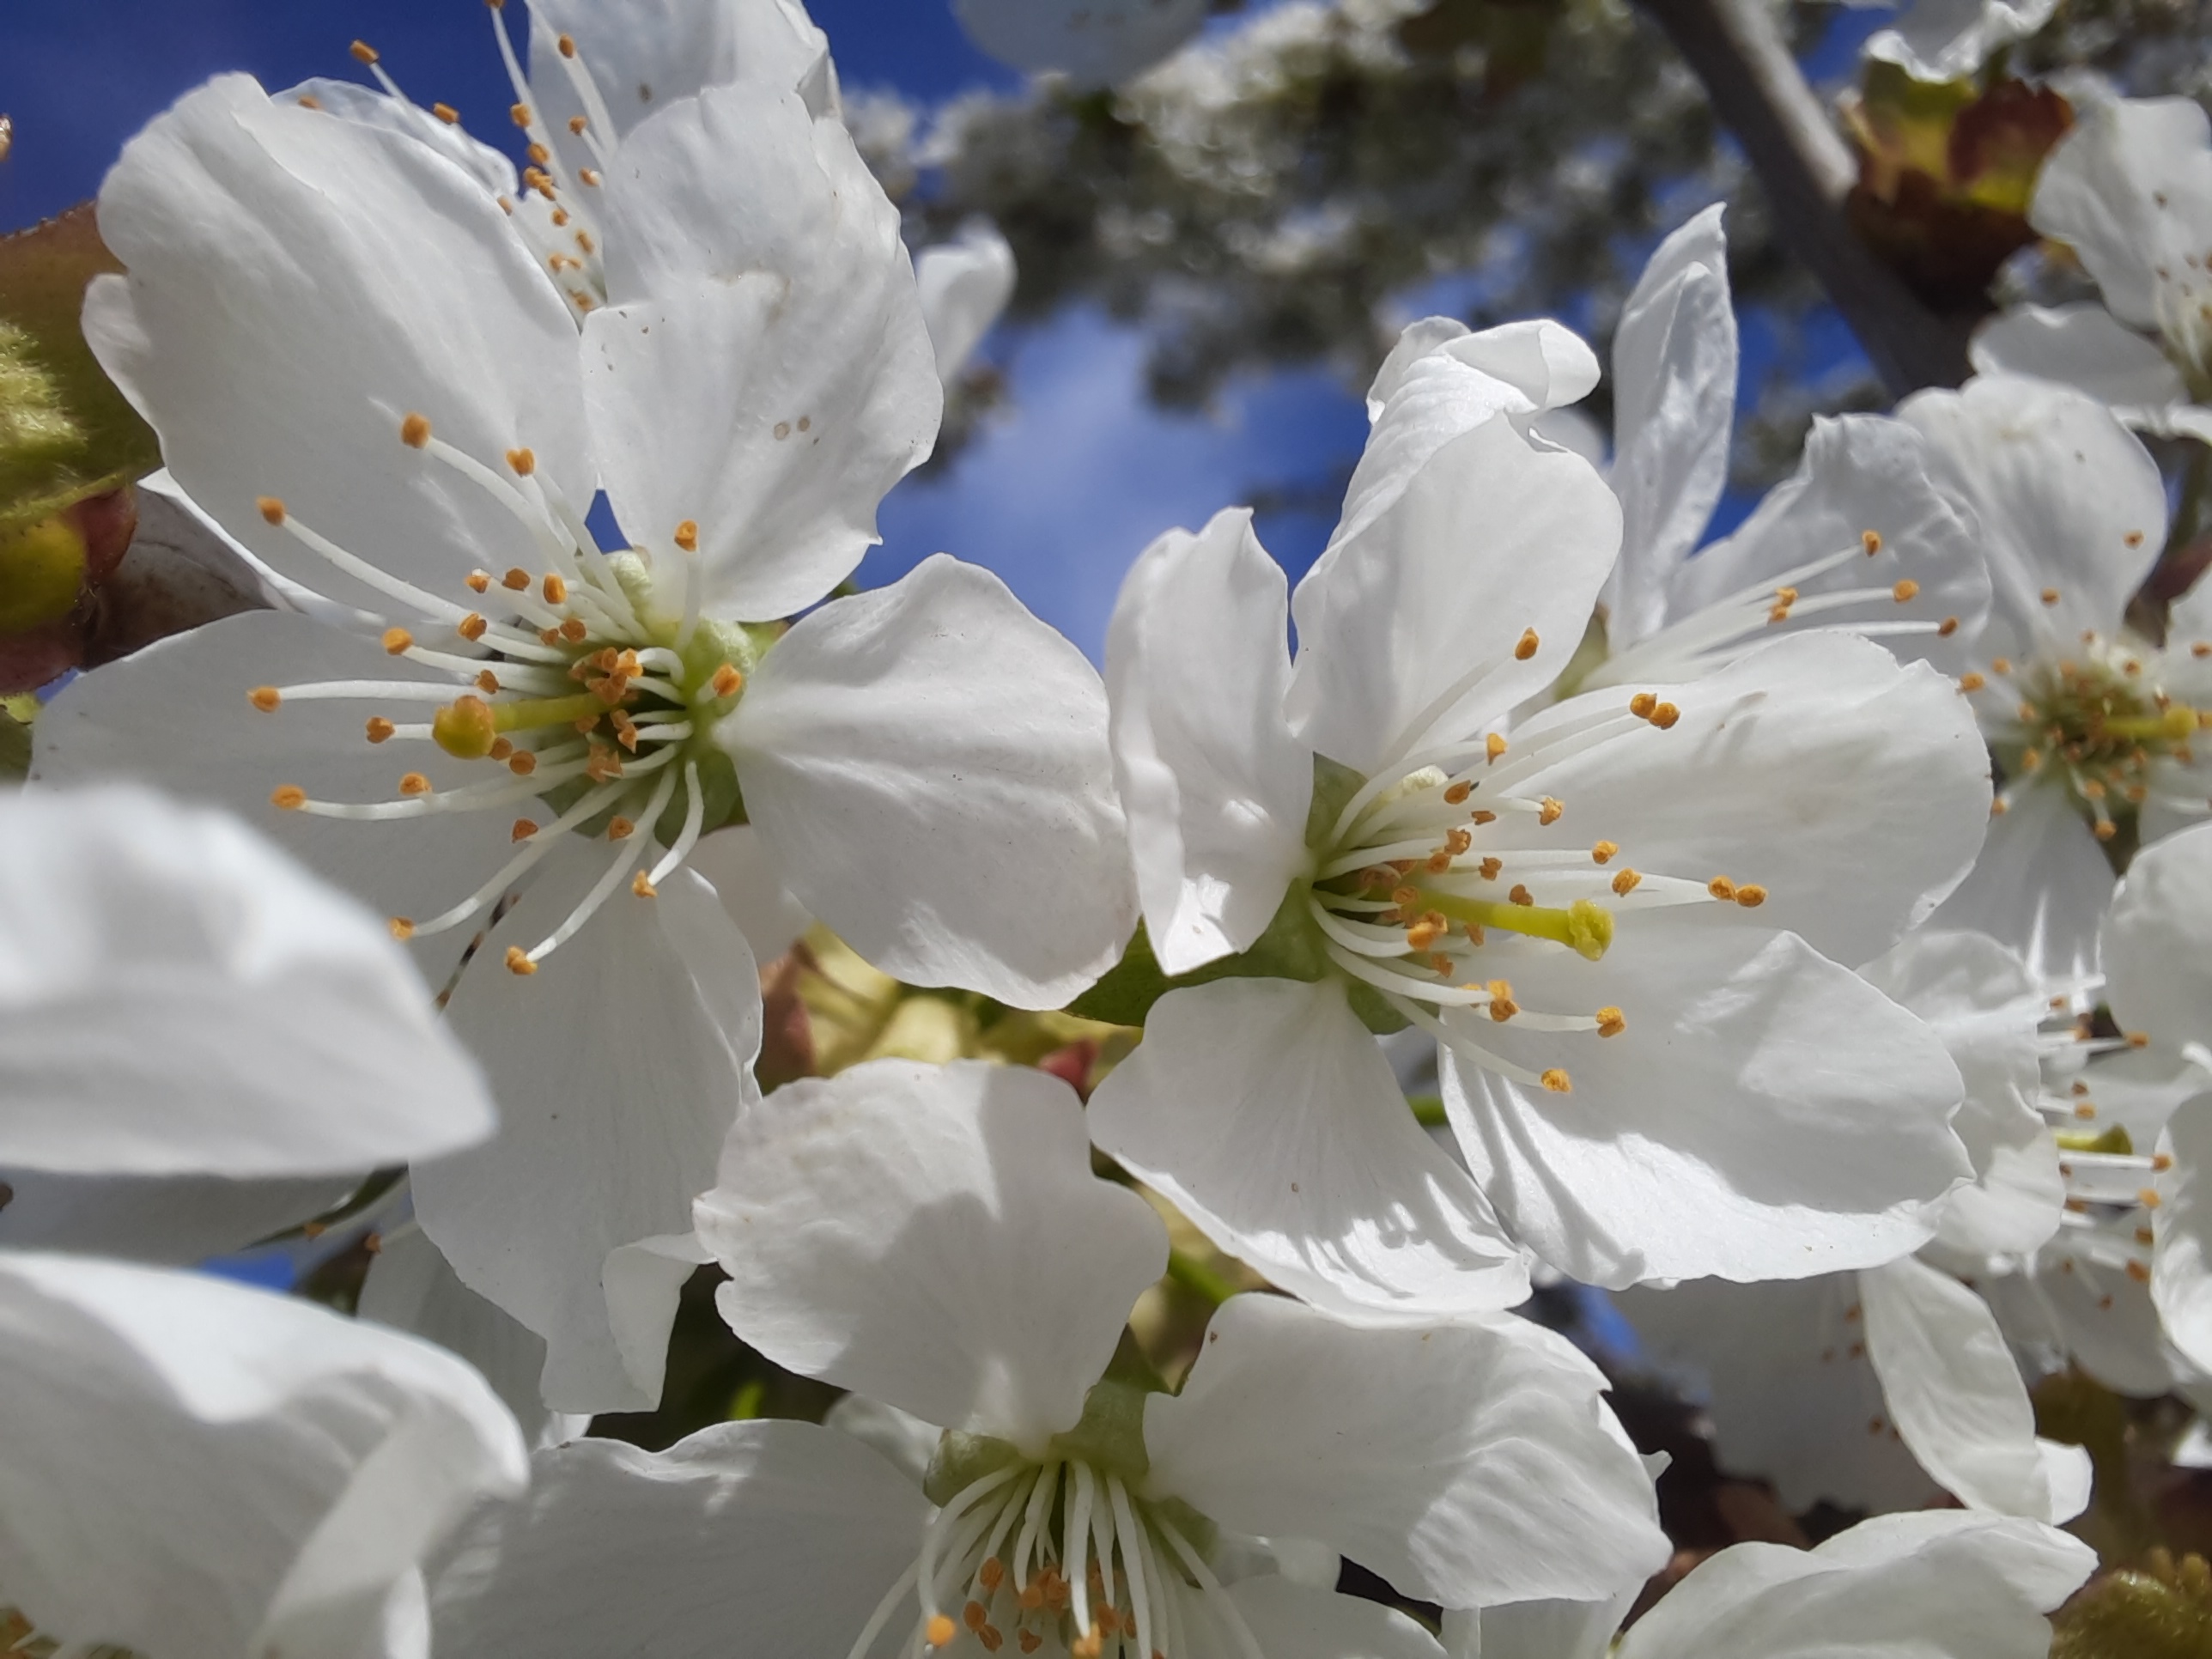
point(1062, 1548)
point(1433, 879)
point(577, 693)
point(2096, 724)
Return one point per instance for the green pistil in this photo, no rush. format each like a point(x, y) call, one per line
point(1584, 926)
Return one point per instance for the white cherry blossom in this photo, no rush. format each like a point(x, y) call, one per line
point(2130, 189)
point(1623, 916)
point(407, 421)
point(2089, 721)
point(935, 1239)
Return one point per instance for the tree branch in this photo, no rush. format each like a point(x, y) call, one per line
point(1807, 171)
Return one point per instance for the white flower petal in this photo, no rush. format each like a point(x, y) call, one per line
point(2040, 887)
point(2157, 975)
point(177, 997)
point(2131, 188)
point(171, 1221)
point(1094, 42)
point(2070, 501)
point(769, 1537)
point(928, 763)
point(932, 1237)
point(1445, 562)
point(2084, 347)
point(1944, 1585)
point(736, 860)
point(1299, 1621)
point(761, 370)
point(2181, 1263)
point(1263, 1110)
point(1536, 367)
point(1538, 1630)
point(350, 101)
point(297, 284)
point(1860, 474)
point(1765, 1115)
point(411, 1288)
point(1854, 790)
point(1215, 786)
point(901, 1438)
point(1468, 1464)
point(175, 716)
point(1674, 369)
point(1793, 1398)
point(1956, 1396)
point(1985, 1008)
point(1950, 39)
point(965, 284)
point(619, 1065)
point(193, 1469)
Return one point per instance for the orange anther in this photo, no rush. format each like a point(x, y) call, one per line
point(471, 627)
point(1751, 895)
point(414, 783)
point(397, 642)
point(522, 763)
point(1526, 646)
point(362, 52)
point(519, 962)
point(272, 508)
point(402, 928)
point(1493, 745)
point(1458, 792)
point(1906, 589)
point(1548, 811)
point(1626, 883)
point(1870, 540)
point(523, 830)
point(523, 461)
point(290, 796)
point(1557, 1081)
point(446, 113)
point(687, 535)
point(1520, 895)
point(266, 698)
point(555, 589)
point(415, 431)
point(1603, 852)
point(1611, 1022)
point(379, 729)
point(516, 581)
point(1721, 887)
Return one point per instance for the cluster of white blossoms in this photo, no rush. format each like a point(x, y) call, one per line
point(1757, 903)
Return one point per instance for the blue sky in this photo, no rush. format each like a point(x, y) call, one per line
point(1065, 486)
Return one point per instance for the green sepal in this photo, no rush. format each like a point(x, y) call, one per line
point(961, 1460)
point(65, 430)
